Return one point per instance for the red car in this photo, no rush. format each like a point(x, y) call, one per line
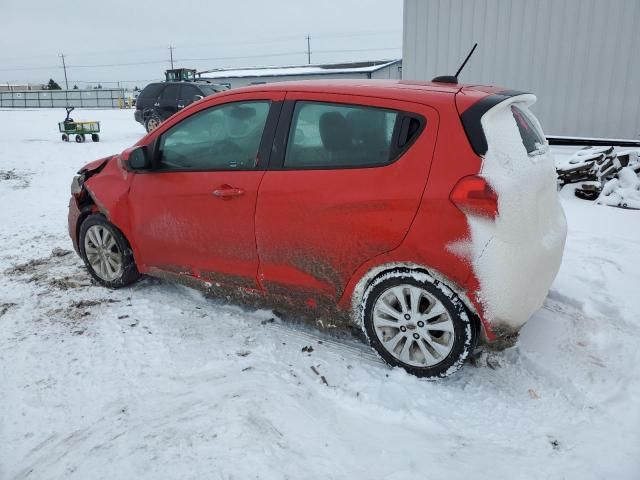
point(425, 213)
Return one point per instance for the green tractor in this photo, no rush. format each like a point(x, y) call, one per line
point(180, 75)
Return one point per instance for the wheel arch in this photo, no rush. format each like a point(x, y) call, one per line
point(357, 295)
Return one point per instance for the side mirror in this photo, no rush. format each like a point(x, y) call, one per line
point(139, 158)
point(197, 97)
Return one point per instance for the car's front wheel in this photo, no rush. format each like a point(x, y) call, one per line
point(415, 322)
point(106, 253)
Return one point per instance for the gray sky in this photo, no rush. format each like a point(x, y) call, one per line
point(205, 34)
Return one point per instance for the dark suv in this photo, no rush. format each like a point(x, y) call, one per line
point(158, 101)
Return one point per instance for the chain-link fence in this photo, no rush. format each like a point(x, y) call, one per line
point(96, 98)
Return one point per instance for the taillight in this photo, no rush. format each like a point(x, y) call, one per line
point(474, 196)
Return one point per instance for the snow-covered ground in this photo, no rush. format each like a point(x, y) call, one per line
point(156, 381)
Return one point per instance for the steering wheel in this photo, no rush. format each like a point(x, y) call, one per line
point(225, 147)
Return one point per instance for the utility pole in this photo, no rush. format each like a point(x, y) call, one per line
point(171, 54)
point(64, 67)
point(309, 49)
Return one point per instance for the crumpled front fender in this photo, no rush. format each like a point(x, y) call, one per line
point(109, 192)
point(95, 166)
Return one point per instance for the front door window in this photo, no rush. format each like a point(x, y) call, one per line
point(220, 138)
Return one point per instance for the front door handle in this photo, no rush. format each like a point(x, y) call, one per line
point(227, 192)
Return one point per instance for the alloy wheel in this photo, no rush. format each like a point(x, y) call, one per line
point(103, 253)
point(153, 123)
point(413, 325)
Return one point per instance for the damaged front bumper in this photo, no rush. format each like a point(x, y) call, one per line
point(72, 219)
point(80, 203)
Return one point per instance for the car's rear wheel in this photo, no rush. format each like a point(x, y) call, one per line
point(416, 322)
point(106, 253)
point(152, 122)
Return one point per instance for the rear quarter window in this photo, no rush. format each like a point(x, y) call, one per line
point(151, 91)
point(532, 138)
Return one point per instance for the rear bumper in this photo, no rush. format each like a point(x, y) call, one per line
point(515, 277)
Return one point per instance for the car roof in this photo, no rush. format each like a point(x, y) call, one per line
point(353, 86)
point(400, 89)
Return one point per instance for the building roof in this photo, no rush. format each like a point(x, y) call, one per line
point(354, 67)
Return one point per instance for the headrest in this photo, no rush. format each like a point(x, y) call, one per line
point(335, 132)
point(367, 125)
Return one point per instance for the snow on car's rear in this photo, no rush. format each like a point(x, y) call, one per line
point(516, 252)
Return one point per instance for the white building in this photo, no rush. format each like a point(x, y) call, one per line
point(389, 69)
point(579, 57)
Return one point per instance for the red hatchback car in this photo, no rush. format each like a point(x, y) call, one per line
point(425, 213)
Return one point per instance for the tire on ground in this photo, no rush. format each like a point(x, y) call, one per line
point(152, 122)
point(464, 334)
point(129, 272)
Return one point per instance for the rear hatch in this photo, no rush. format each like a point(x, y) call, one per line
point(517, 251)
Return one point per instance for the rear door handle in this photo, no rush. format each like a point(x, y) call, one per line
point(227, 192)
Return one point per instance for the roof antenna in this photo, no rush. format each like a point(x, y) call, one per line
point(454, 78)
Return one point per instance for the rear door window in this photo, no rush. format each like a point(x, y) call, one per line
point(532, 138)
point(188, 93)
point(170, 94)
point(329, 135)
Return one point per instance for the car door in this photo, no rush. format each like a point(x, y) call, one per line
point(344, 188)
point(149, 98)
point(194, 213)
point(168, 101)
point(187, 94)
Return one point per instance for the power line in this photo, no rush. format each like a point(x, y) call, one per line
point(236, 57)
point(270, 39)
point(359, 50)
point(128, 64)
point(231, 57)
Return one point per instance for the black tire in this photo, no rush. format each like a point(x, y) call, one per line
point(152, 122)
point(464, 332)
point(79, 138)
point(95, 137)
point(65, 137)
point(129, 272)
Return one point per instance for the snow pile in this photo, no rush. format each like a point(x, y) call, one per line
point(623, 191)
point(605, 174)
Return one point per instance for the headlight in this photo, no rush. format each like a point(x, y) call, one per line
point(76, 185)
